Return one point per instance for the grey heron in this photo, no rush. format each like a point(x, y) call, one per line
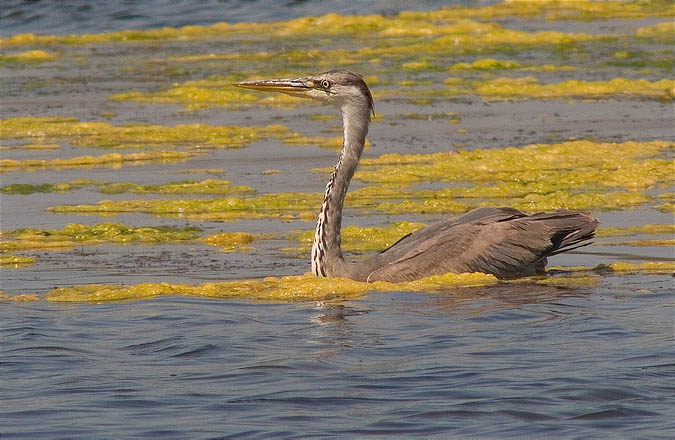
point(500, 241)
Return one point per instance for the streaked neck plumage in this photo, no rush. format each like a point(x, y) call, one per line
point(327, 259)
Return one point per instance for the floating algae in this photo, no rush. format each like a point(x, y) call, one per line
point(490, 64)
point(568, 200)
point(634, 230)
point(663, 32)
point(644, 243)
point(566, 281)
point(113, 159)
point(29, 57)
point(529, 87)
point(669, 202)
point(63, 187)
point(575, 175)
point(15, 261)
point(279, 205)
point(486, 64)
point(365, 239)
point(208, 186)
point(333, 143)
point(552, 10)
point(290, 288)
point(103, 134)
point(657, 267)
point(630, 165)
point(73, 235)
point(32, 147)
point(648, 267)
point(231, 241)
point(24, 297)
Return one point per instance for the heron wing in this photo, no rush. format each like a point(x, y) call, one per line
point(503, 242)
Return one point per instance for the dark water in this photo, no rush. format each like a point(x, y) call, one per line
point(532, 362)
point(513, 360)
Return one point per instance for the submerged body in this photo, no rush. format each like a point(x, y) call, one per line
point(500, 241)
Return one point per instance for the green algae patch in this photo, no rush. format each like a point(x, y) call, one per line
point(657, 267)
point(279, 205)
point(114, 160)
point(29, 57)
point(666, 207)
point(230, 241)
point(529, 87)
point(73, 235)
point(32, 147)
point(322, 117)
point(568, 200)
point(208, 186)
point(64, 187)
point(16, 261)
point(645, 243)
point(289, 288)
point(486, 64)
point(669, 202)
point(584, 10)
point(565, 281)
point(24, 297)
point(103, 134)
point(491, 64)
point(575, 174)
point(662, 32)
point(649, 267)
point(365, 239)
point(634, 230)
point(331, 143)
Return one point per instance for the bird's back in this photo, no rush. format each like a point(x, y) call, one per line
point(501, 241)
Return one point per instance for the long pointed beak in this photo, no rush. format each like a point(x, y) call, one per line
point(296, 86)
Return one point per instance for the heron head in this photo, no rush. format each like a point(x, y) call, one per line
point(340, 88)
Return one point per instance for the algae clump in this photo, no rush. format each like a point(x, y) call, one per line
point(230, 241)
point(574, 174)
point(29, 57)
point(289, 288)
point(74, 234)
point(208, 186)
point(657, 267)
point(15, 261)
point(103, 134)
point(112, 159)
point(529, 87)
point(634, 230)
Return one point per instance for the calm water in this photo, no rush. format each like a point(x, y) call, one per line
point(534, 362)
point(513, 360)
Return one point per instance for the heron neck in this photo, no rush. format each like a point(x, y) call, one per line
point(327, 259)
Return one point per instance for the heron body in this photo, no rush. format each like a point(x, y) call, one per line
point(500, 241)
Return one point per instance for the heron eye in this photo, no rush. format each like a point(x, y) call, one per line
point(325, 83)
